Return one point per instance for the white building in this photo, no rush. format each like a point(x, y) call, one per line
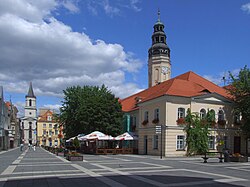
point(29, 121)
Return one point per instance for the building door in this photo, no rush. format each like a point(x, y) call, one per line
point(145, 145)
point(237, 143)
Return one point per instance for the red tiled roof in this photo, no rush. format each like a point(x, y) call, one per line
point(186, 85)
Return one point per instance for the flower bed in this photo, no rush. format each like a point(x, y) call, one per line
point(238, 158)
point(74, 158)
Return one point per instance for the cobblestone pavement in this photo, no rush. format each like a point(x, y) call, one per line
point(41, 168)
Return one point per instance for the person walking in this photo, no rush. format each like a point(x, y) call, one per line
point(21, 147)
point(34, 147)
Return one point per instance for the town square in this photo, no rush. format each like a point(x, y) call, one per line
point(124, 93)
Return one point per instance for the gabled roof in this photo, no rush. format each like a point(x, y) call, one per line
point(43, 118)
point(186, 85)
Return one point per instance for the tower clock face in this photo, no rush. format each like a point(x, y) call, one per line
point(164, 69)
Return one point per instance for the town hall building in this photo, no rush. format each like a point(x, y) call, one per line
point(156, 114)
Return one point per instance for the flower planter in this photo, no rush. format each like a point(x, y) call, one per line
point(74, 158)
point(239, 159)
point(60, 153)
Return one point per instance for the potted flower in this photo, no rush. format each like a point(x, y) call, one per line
point(180, 121)
point(60, 151)
point(155, 121)
point(145, 122)
point(237, 157)
point(74, 156)
point(222, 122)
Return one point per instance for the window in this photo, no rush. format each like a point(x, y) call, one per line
point(44, 125)
point(236, 118)
point(49, 118)
point(44, 132)
point(30, 130)
point(56, 132)
point(212, 114)
point(180, 142)
point(225, 142)
point(221, 115)
point(30, 102)
point(181, 113)
point(146, 115)
point(202, 113)
point(50, 132)
point(211, 142)
point(50, 125)
point(156, 113)
point(155, 143)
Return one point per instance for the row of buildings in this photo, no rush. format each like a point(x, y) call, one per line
point(43, 129)
point(9, 124)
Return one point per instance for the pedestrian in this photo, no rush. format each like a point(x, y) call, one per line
point(21, 147)
point(29, 146)
point(34, 147)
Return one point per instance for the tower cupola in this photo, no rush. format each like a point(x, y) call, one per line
point(159, 66)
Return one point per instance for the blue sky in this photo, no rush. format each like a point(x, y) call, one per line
point(61, 43)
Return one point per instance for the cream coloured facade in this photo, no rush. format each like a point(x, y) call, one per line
point(48, 130)
point(168, 114)
point(165, 103)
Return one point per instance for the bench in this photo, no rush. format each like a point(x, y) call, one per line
point(208, 155)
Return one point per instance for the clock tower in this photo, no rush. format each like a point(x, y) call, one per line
point(159, 66)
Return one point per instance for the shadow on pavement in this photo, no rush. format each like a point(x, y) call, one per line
point(126, 180)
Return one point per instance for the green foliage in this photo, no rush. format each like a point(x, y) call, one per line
point(90, 108)
point(76, 142)
point(197, 134)
point(240, 90)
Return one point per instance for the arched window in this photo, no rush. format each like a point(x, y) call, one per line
point(30, 102)
point(181, 113)
point(202, 113)
point(211, 115)
point(221, 115)
point(157, 75)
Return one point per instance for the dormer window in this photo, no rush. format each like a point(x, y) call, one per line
point(49, 118)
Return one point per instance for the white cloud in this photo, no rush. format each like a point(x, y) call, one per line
point(134, 6)
point(20, 106)
point(221, 78)
point(246, 7)
point(54, 108)
point(110, 10)
point(71, 5)
point(37, 47)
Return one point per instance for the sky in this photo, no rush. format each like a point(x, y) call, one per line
point(57, 44)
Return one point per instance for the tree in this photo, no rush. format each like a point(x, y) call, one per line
point(240, 90)
point(197, 134)
point(89, 108)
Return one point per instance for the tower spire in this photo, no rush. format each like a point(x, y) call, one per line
point(30, 92)
point(159, 15)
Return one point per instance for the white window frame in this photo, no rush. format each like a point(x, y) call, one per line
point(155, 142)
point(221, 115)
point(181, 112)
point(180, 143)
point(211, 142)
point(203, 113)
point(157, 113)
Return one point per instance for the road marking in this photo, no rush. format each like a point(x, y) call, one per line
point(115, 158)
point(149, 181)
point(106, 180)
point(218, 175)
point(46, 172)
point(9, 170)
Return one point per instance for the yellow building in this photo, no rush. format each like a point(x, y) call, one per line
point(48, 131)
